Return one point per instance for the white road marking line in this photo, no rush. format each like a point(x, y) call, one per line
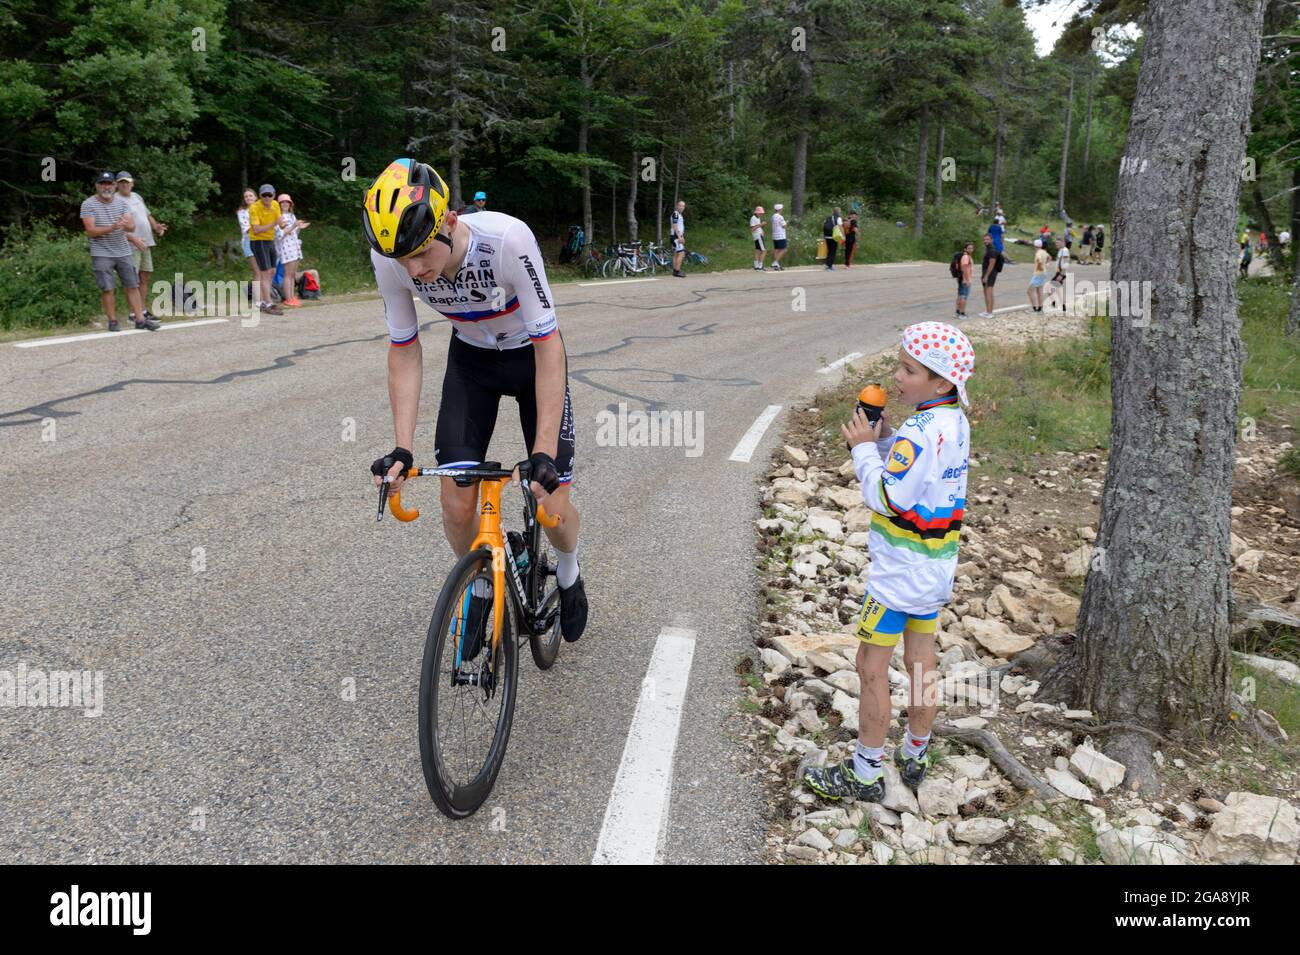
point(636, 819)
point(63, 340)
point(745, 450)
point(851, 356)
point(620, 281)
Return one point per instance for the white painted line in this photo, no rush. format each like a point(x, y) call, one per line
point(636, 819)
point(851, 356)
point(63, 340)
point(620, 281)
point(745, 450)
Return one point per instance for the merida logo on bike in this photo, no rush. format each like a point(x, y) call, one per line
point(537, 282)
point(103, 908)
point(488, 508)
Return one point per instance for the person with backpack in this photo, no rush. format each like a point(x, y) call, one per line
point(960, 268)
point(833, 233)
point(1098, 243)
point(989, 269)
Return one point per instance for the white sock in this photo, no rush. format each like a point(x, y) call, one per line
point(566, 567)
point(913, 745)
point(866, 762)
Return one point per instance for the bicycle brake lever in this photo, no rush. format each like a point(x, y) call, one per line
point(383, 499)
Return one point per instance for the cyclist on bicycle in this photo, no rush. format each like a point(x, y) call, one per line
point(484, 274)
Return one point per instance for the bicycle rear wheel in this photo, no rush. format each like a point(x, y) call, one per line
point(465, 711)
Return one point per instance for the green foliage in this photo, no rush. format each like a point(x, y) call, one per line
point(45, 278)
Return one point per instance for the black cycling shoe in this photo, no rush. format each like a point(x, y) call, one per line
point(148, 324)
point(113, 325)
point(475, 618)
point(573, 610)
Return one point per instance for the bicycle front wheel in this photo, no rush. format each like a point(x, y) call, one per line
point(467, 698)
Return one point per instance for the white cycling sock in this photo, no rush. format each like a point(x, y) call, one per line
point(913, 745)
point(566, 567)
point(866, 762)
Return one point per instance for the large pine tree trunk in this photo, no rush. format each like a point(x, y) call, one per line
point(1152, 645)
point(659, 199)
point(1065, 149)
point(584, 132)
point(998, 146)
point(632, 231)
point(453, 164)
point(938, 168)
point(923, 147)
point(1293, 313)
point(800, 173)
point(1087, 125)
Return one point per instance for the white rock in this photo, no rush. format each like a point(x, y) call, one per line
point(970, 723)
point(1253, 829)
point(828, 527)
point(878, 813)
point(846, 680)
point(1282, 669)
point(940, 797)
point(1045, 826)
point(1067, 785)
point(1076, 562)
point(827, 662)
point(773, 661)
point(805, 853)
point(995, 636)
point(917, 833)
point(814, 838)
point(1248, 562)
point(898, 797)
point(818, 689)
point(972, 767)
point(809, 721)
point(1140, 845)
point(846, 838)
point(796, 456)
point(980, 831)
point(882, 853)
point(847, 707)
point(1097, 768)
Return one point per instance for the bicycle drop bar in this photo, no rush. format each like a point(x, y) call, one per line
point(393, 498)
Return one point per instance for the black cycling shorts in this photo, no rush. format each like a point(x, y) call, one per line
point(472, 388)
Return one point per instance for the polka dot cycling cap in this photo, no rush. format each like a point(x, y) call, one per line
point(944, 350)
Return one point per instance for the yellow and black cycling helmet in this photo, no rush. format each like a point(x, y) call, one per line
point(404, 208)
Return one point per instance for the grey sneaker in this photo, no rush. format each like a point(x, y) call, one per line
point(841, 782)
point(149, 324)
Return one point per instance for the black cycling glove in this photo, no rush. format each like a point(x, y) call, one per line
point(384, 464)
point(542, 470)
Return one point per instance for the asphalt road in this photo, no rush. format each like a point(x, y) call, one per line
point(228, 732)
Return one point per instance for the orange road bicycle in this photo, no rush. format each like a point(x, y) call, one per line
point(470, 672)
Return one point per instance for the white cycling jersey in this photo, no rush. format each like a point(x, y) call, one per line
point(499, 298)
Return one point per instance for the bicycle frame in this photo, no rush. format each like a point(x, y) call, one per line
point(492, 479)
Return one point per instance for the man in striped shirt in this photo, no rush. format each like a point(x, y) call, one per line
point(107, 220)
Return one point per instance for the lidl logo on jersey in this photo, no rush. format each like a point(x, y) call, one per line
point(902, 456)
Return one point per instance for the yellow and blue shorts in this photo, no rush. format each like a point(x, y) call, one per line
point(881, 627)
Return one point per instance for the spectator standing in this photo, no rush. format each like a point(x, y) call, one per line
point(288, 247)
point(143, 236)
point(241, 214)
point(965, 265)
point(779, 241)
point(1245, 261)
point(1068, 237)
point(1058, 280)
point(107, 221)
point(1085, 244)
point(479, 204)
point(756, 232)
point(263, 217)
point(832, 232)
point(850, 239)
point(995, 235)
point(989, 269)
point(677, 237)
point(1036, 281)
point(1098, 243)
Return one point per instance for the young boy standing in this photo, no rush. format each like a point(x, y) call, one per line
point(914, 482)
